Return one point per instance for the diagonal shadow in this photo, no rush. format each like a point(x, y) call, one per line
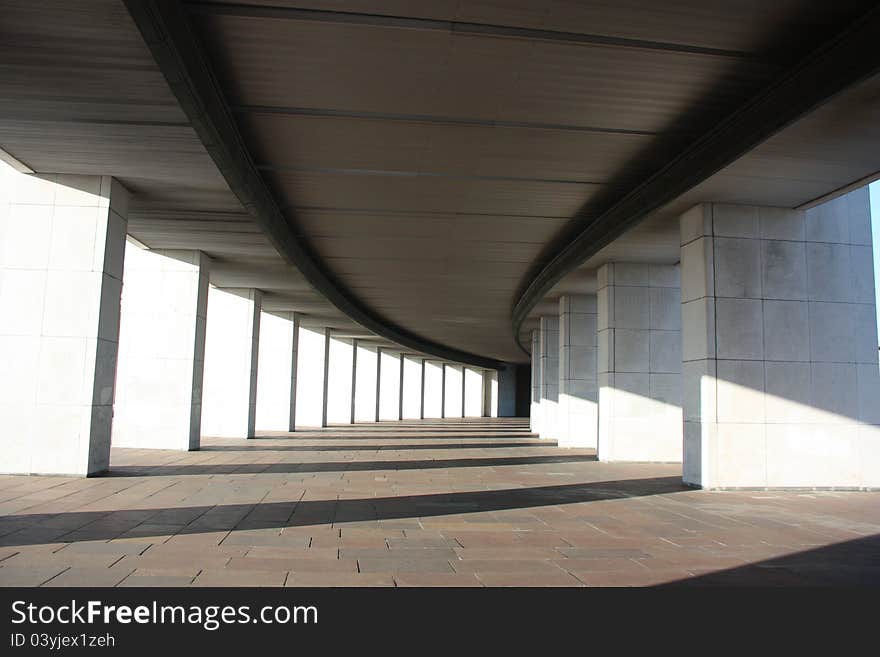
point(849, 563)
point(368, 448)
point(336, 466)
point(28, 529)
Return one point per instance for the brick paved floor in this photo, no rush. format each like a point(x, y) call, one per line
point(433, 503)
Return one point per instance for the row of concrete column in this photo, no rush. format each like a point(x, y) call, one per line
point(157, 357)
point(753, 361)
point(214, 362)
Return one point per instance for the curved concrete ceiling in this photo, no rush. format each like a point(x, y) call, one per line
point(412, 168)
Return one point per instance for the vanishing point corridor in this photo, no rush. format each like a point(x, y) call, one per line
point(463, 502)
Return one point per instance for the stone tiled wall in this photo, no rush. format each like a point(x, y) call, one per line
point(780, 346)
point(578, 387)
point(639, 373)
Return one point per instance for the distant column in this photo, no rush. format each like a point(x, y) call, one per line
point(443, 391)
point(535, 414)
point(354, 361)
point(294, 365)
point(463, 389)
point(639, 363)
point(326, 386)
point(422, 403)
point(378, 380)
point(549, 336)
point(578, 420)
point(400, 390)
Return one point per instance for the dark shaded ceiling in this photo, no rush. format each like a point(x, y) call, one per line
point(431, 156)
point(433, 153)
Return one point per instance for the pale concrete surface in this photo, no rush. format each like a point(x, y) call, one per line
point(578, 422)
point(780, 365)
point(62, 249)
point(442, 502)
point(639, 371)
point(548, 338)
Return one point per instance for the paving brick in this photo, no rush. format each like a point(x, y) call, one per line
point(238, 516)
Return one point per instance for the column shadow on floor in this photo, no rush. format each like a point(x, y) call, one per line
point(368, 448)
point(30, 529)
point(336, 466)
point(849, 563)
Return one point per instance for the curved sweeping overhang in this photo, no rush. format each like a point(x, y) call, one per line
point(436, 170)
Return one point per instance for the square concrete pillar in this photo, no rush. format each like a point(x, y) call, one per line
point(489, 389)
point(229, 402)
point(640, 386)
point(549, 350)
point(780, 346)
point(161, 349)
point(535, 410)
point(62, 248)
point(276, 371)
point(578, 420)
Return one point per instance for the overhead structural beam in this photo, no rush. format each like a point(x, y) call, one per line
point(454, 27)
point(164, 26)
point(431, 118)
point(849, 58)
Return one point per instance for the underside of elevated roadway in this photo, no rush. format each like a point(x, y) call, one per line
point(429, 174)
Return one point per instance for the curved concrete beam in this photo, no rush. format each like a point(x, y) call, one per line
point(166, 31)
point(843, 61)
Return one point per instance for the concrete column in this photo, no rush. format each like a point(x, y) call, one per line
point(578, 420)
point(354, 362)
point(275, 371)
point(400, 390)
point(535, 414)
point(294, 366)
point(62, 247)
point(639, 363)
point(486, 390)
point(549, 345)
point(161, 349)
point(443, 391)
point(463, 390)
point(504, 394)
point(422, 393)
point(378, 382)
point(365, 386)
point(781, 382)
point(232, 340)
point(326, 384)
point(433, 390)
